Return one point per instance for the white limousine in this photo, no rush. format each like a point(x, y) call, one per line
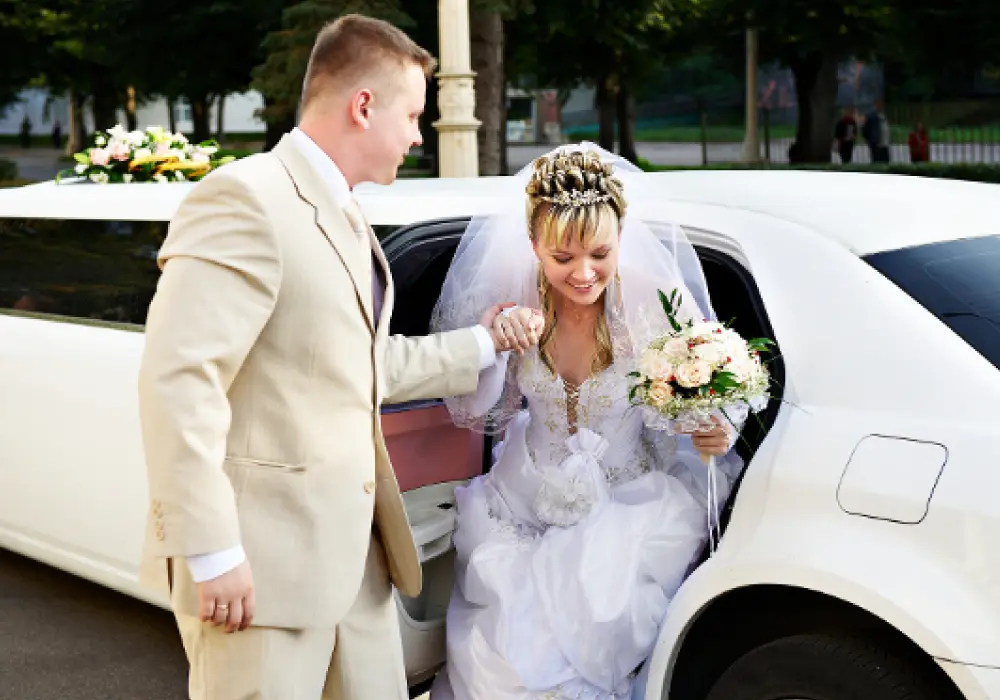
point(860, 558)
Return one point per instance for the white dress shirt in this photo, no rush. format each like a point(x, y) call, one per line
point(205, 567)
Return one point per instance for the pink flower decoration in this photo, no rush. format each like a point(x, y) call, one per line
point(99, 156)
point(120, 150)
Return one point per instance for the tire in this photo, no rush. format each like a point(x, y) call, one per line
point(825, 667)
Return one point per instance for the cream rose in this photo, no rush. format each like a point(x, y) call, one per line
point(676, 350)
point(659, 393)
point(712, 353)
point(694, 374)
point(744, 368)
point(704, 328)
point(656, 365)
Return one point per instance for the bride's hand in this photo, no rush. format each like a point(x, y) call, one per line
point(517, 330)
point(713, 442)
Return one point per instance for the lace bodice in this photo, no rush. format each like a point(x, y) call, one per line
point(600, 406)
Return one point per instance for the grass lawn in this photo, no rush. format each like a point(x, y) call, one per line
point(734, 134)
point(685, 134)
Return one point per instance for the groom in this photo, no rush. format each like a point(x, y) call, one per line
point(275, 518)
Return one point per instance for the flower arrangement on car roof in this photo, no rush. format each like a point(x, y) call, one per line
point(153, 155)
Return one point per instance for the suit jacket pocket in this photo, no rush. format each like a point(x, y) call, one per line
point(264, 464)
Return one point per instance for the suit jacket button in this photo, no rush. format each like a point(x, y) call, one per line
point(369, 487)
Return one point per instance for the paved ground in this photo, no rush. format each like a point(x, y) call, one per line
point(62, 638)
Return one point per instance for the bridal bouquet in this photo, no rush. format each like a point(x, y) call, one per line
point(142, 156)
point(699, 368)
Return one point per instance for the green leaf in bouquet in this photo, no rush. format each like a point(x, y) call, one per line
point(82, 158)
point(760, 344)
point(668, 304)
point(632, 392)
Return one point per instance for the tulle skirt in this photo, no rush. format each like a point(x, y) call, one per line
point(562, 612)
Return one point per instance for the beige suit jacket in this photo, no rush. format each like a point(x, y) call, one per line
point(260, 386)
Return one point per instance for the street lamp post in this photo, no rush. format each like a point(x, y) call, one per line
point(458, 150)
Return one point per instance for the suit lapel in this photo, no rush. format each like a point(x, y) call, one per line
point(331, 221)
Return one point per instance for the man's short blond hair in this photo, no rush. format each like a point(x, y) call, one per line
point(354, 46)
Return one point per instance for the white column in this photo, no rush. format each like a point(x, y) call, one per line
point(458, 150)
point(751, 141)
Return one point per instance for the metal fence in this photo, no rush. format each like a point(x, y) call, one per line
point(958, 132)
point(688, 131)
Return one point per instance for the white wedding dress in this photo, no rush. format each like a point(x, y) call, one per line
point(570, 549)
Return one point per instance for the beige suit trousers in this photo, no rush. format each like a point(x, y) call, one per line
point(361, 659)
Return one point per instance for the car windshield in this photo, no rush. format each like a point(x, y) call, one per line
point(957, 281)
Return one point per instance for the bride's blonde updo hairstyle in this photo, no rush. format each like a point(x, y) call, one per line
point(572, 195)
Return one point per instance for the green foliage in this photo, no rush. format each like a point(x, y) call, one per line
point(211, 44)
point(790, 29)
point(19, 22)
point(279, 77)
point(972, 172)
point(8, 169)
point(560, 44)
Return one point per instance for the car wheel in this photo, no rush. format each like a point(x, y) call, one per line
point(823, 667)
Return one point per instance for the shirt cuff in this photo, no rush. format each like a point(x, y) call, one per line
point(205, 567)
point(487, 349)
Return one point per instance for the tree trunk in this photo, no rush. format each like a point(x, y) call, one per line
point(172, 115)
point(486, 33)
point(220, 119)
point(503, 100)
point(626, 125)
point(816, 90)
point(427, 130)
point(200, 118)
point(606, 113)
point(276, 129)
point(76, 136)
point(131, 118)
point(105, 103)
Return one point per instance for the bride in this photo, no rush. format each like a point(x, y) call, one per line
point(569, 550)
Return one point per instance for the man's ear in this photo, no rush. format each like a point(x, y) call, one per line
point(361, 105)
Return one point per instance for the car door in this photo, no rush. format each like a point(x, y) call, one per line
point(431, 456)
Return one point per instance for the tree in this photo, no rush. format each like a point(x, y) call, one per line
point(215, 45)
point(945, 45)
point(487, 39)
point(279, 77)
point(20, 48)
point(617, 46)
point(811, 39)
point(81, 43)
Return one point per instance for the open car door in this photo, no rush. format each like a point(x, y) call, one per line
point(430, 455)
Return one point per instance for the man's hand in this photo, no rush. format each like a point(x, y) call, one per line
point(228, 599)
point(518, 330)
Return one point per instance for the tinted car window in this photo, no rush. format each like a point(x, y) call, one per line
point(95, 270)
point(957, 281)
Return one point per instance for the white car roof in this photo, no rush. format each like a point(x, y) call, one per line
point(866, 213)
